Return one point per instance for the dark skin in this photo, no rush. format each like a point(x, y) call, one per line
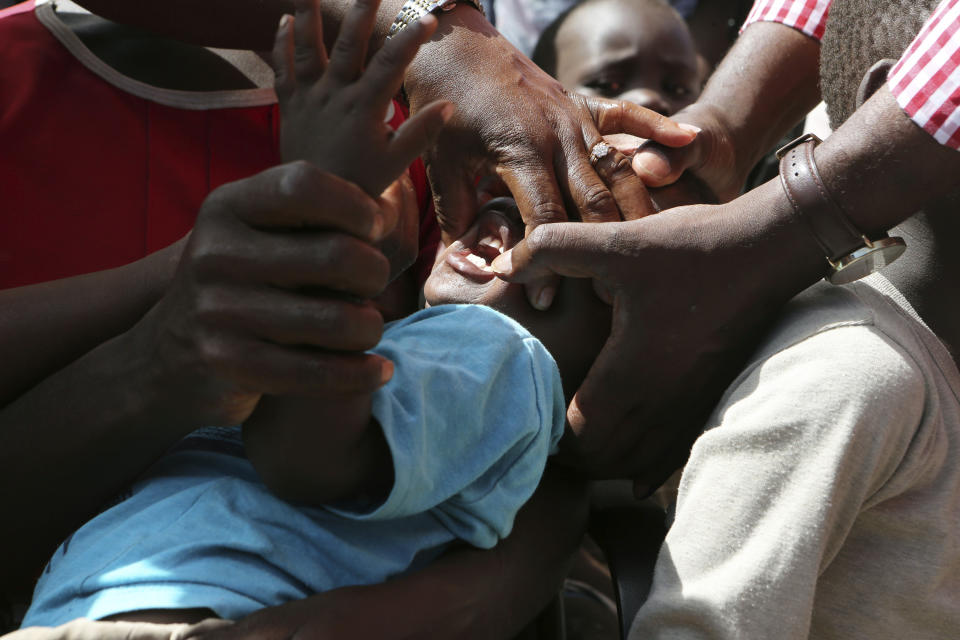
point(333, 109)
point(497, 91)
point(248, 307)
point(695, 286)
point(244, 244)
point(506, 585)
point(634, 50)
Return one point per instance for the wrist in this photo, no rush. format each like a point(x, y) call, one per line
point(778, 250)
point(452, 52)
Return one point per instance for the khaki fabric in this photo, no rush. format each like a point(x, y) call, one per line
point(83, 629)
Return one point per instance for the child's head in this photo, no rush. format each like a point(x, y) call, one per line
point(859, 34)
point(575, 327)
point(636, 50)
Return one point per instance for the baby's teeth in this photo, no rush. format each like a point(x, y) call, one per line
point(494, 243)
point(478, 261)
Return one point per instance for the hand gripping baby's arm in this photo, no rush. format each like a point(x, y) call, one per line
point(316, 449)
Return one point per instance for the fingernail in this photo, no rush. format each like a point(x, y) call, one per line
point(376, 231)
point(689, 127)
point(503, 264)
point(651, 162)
point(447, 111)
point(544, 298)
point(386, 371)
point(284, 20)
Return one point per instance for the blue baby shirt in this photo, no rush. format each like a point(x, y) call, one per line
point(474, 408)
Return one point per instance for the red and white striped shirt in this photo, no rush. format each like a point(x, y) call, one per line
point(926, 79)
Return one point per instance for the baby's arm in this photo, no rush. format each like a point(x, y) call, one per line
point(318, 449)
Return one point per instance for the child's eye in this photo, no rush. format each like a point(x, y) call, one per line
point(605, 86)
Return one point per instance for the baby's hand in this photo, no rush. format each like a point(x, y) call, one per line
point(332, 110)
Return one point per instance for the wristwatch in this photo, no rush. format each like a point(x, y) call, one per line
point(850, 253)
point(413, 10)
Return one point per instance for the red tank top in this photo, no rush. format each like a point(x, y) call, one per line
point(98, 169)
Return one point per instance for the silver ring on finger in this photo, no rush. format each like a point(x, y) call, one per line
point(599, 151)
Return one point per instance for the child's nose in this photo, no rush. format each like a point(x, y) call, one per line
point(647, 98)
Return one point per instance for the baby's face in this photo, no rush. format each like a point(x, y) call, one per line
point(573, 329)
point(630, 50)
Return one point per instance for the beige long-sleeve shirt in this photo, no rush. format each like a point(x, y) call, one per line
point(823, 501)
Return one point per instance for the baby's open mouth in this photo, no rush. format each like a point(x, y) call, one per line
point(497, 229)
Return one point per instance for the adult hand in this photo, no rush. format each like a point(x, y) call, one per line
point(687, 307)
point(712, 156)
point(514, 120)
point(269, 297)
point(764, 86)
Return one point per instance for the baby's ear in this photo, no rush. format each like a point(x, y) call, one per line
point(873, 79)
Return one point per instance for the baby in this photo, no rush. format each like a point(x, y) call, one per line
point(312, 494)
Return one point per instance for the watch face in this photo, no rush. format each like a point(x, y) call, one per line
point(866, 260)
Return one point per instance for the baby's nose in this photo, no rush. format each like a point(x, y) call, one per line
point(648, 98)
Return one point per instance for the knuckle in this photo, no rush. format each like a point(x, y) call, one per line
point(296, 177)
point(304, 56)
point(207, 260)
point(351, 326)
point(621, 166)
point(598, 199)
point(212, 352)
point(547, 211)
point(544, 237)
point(346, 42)
point(218, 201)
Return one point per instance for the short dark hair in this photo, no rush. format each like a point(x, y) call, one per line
point(858, 34)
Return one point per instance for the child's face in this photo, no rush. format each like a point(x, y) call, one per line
point(574, 328)
point(630, 50)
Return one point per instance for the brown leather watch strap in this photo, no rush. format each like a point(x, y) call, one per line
point(801, 181)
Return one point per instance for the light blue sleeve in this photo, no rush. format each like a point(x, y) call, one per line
point(474, 408)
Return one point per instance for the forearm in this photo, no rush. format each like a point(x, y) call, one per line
point(72, 443)
point(467, 593)
point(46, 326)
point(317, 450)
point(763, 87)
point(494, 594)
point(881, 167)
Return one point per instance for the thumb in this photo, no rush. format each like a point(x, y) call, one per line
point(658, 166)
point(572, 249)
point(418, 133)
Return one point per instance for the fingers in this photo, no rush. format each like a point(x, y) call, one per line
point(284, 59)
point(278, 316)
point(298, 196)
point(628, 197)
point(417, 134)
point(566, 249)
point(536, 191)
point(328, 260)
point(658, 166)
point(384, 75)
point(310, 55)
point(453, 195)
point(282, 370)
point(619, 116)
point(349, 54)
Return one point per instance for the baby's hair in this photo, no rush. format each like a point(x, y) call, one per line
point(858, 34)
point(545, 53)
